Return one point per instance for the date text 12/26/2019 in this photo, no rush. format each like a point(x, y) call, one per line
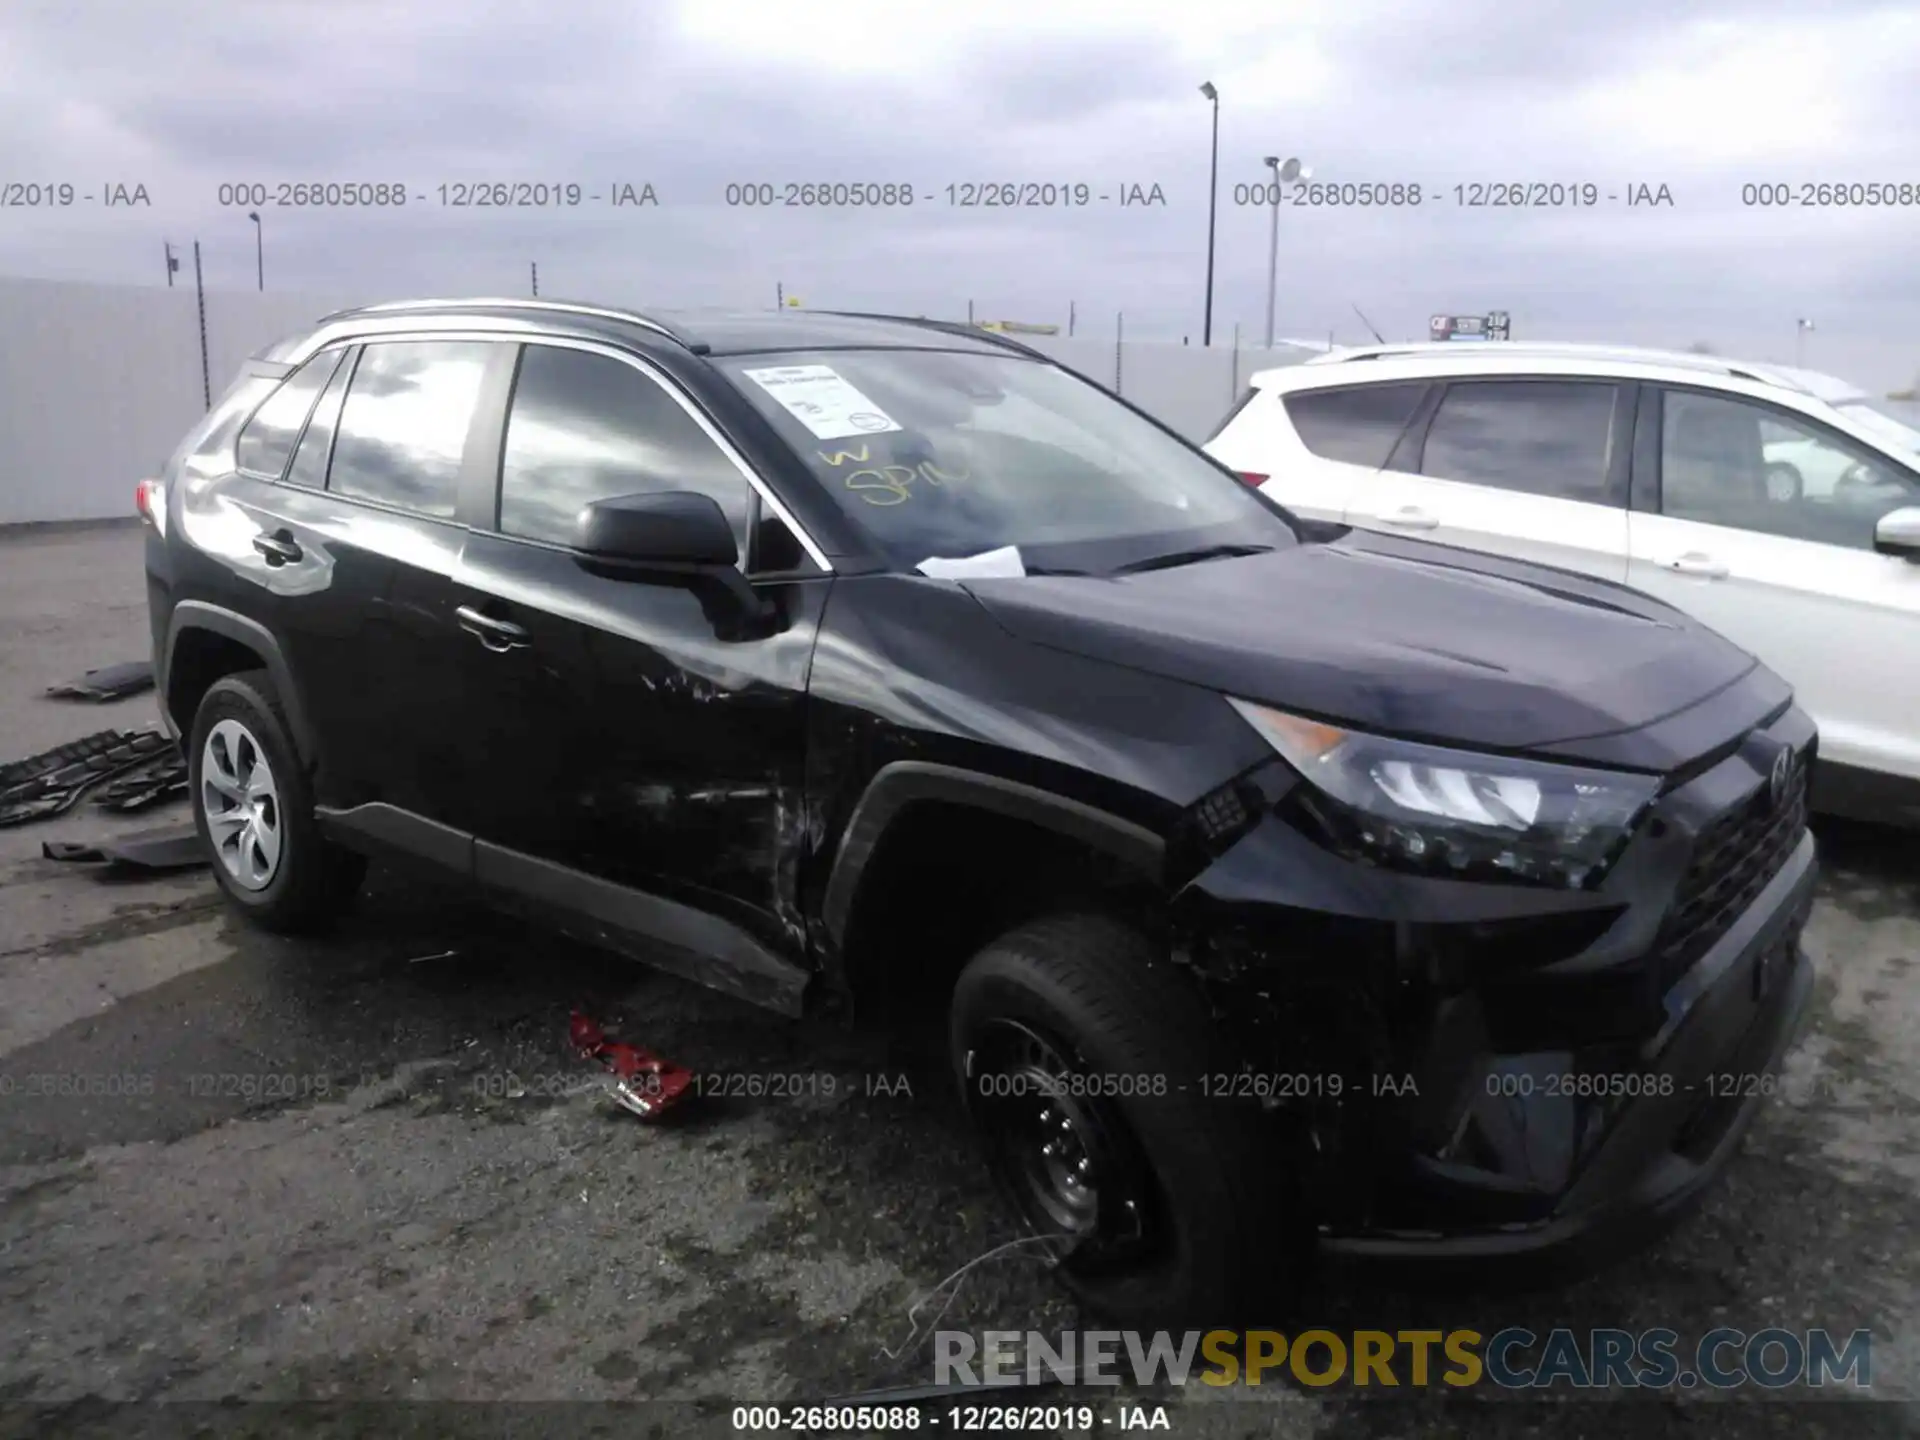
point(1469, 195)
point(991, 1419)
point(446, 194)
point(957, 195)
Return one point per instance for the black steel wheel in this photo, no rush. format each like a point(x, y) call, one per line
point(1081, 1051)
point(1062, 1151)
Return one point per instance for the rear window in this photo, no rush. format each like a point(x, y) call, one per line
point(268, 439)
point(208, 448)
point(403, 427)
point(1357, 425)
point(1552, 438)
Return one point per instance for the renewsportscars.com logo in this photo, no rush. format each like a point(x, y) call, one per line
point(1515, 1358)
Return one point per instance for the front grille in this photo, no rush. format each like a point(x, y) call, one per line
point(1733, 859)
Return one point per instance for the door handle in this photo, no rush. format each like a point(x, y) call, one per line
point(1410, 517)
point(496, 635)
point(1705, 566)
point(278, 548)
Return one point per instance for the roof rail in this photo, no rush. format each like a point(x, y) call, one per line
point(947, 327)
point(1684, 359)
point(565, 307)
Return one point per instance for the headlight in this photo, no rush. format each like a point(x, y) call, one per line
point(1456, 813)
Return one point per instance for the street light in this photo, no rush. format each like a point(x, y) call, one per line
point(1213, 205)
point(1800, 329)
point(259, 250)
point(1289, 172)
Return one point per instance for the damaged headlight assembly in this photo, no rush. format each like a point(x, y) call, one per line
point(1456, 813)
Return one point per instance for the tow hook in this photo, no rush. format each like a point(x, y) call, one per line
point(642, 1081)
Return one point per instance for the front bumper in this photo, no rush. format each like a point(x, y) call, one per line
point(1482, 1072)
point(1744, 1007)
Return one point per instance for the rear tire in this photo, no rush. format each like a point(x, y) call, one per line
point(253, 808)
point(1190, 1225)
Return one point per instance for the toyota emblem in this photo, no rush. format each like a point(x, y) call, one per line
point(1782, 774)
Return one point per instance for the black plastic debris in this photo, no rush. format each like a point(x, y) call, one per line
point(51, 782)
point(145, 785)
point(109, 682)
point(170, 847)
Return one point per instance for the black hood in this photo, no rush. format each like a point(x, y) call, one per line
point(1398, 636)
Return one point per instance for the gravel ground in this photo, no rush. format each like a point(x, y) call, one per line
point(367, 1170)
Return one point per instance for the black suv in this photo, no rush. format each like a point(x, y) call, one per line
point(1284, 889)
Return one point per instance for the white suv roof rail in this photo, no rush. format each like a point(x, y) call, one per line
point(1473, 352)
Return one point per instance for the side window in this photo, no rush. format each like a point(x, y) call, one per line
point(404, 425)
point(776, 549)
point(1358, 426)
point(309, 466)
point(584, 427)
point(1545, 437)
point(1730, 462)
point(267, 439)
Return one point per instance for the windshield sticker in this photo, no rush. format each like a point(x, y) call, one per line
point(821, 399)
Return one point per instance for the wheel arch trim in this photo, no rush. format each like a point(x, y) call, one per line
point(189, 615)
point(898, 786)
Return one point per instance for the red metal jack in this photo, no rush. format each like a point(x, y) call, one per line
point(643, 1082)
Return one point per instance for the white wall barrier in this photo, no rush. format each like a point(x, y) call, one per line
point(98, 383)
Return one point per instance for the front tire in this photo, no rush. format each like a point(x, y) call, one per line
point(253, 809)
point(1171, 1206)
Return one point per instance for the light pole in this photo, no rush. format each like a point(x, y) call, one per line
point(1213, 206)
point(1800, 329)
point(259, 250)
point(1289, 172)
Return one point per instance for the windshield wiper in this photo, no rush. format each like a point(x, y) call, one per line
point(1189, 557)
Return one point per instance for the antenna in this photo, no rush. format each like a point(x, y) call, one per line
point(1378, 337)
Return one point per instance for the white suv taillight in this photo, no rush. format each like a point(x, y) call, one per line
point(1252, 478)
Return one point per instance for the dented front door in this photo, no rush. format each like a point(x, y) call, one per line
point(617, 730)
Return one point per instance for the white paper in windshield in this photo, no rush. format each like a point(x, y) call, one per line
point(987, 565)
point(823, 400)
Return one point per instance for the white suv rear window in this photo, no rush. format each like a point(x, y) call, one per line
point(1358, 424)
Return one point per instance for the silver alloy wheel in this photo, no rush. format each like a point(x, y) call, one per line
point(242, 805)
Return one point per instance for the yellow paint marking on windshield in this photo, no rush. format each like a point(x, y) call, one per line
point(886, 484)
point(841, 457)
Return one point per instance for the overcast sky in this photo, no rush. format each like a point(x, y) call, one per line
point(1701, 98)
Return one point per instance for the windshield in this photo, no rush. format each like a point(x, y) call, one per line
point(945, 455)
point(1887, 419)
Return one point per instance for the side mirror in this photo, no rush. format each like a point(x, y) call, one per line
point(681, 538)
point(1898, 533)
point(671, 529)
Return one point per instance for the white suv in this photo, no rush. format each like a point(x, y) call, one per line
point(1780, 506)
